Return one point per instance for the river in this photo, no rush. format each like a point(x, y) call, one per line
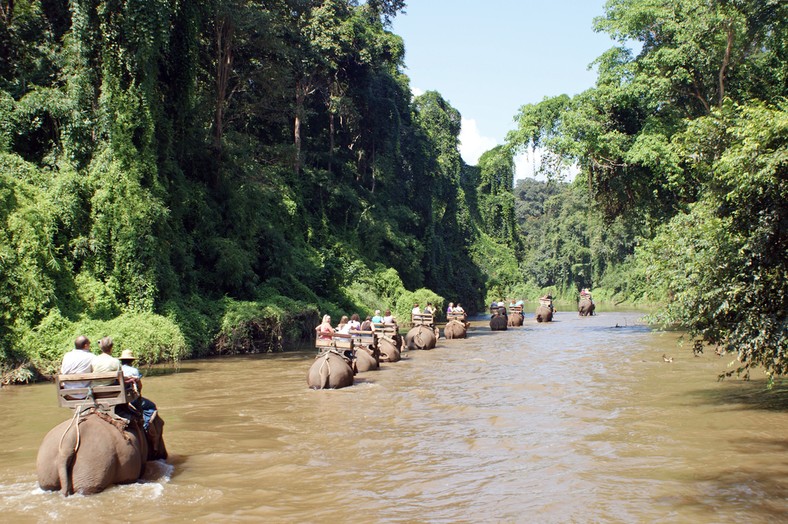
point(579, 420)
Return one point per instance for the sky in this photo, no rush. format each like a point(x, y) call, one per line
point(488, 58)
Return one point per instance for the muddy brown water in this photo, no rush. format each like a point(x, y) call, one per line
point(579, 420)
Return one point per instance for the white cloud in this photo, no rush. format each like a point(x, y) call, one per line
point(415, 91)
point(472, 143)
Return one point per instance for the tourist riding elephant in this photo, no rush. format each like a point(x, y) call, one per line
point(93, 451)
point(367, 358)
point(331, 370)
point(420, 337)
point(390, 348)
point(585, 307)
point(515, 320)
point(498, 321)
point(455, 329)
point(544, 313)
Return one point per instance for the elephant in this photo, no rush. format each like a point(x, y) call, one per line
point(455, 329)
point(367, 358)
point(585, 307)
point(498, 322)
point(331, 370)
point(515, 320)
point(95, 450)
point(390, 348)
point(544, 313)
point(420, 337)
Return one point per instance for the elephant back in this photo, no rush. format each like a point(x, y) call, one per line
point(420, 337)
point(389, 349)
point(585, 307)
point(330, 370)
point(91, 452)
point(544, 314)
point(455, 329)
point(515, 320)
point(498, 323)
point(367, 358)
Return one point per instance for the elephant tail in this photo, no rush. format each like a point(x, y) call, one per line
point(324, 372)
point(67, 451)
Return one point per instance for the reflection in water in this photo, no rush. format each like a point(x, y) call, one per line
point(577, 420)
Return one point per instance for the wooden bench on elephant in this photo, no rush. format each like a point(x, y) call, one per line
point(387, 330)
point(516, 309)
point(339, 341)
point(364, 338)
point(455, 316)
point(96, 393)
point(422, 319)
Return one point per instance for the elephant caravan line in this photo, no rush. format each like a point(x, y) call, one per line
point(341, 356)
point(103, 443)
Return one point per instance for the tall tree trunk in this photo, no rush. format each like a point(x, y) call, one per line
point(224, 64)
point(299, 113)
point(725, 61)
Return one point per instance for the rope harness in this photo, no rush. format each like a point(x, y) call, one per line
point(76, 418)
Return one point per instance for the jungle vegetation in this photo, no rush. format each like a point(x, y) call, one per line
point(198, 178)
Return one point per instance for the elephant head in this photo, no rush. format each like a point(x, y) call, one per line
point(92, 451)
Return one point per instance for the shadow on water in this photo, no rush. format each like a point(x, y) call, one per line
point(746, 395)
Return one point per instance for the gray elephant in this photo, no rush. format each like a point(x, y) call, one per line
point(94, 450)
point(367, 358)
point(586, 306)
point(421, 337)
point(455, 329)
point(499, 322)
point(515, 320)
point(332, 369)
point(544, 313)
point(390, 348)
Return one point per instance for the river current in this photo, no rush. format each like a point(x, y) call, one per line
point(578, 420)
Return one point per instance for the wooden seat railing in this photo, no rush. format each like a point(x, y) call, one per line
point(96, 392)
point(364, 338)
point(422, 319)
point(386, 330)
point(340, 341)
point(455, 316)
point(515, 309)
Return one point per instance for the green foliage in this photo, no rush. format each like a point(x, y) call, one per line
point(405, 302)
point(723, 264)
point(151, 337)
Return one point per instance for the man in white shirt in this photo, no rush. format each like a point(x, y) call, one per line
point(78, 360)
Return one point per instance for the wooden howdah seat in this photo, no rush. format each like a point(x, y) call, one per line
point(364, 338)
point(101, 396)
point(387, 330)
point(422, 319)
point(338, 341)
point(455, 316)
point(516, 309)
